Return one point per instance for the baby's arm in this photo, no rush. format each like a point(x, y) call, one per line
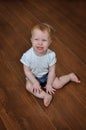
point(51, 78)
point(35, 84)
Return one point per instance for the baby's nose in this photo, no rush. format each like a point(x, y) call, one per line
point(40, 42)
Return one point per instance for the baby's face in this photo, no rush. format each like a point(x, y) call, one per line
point(40, 41)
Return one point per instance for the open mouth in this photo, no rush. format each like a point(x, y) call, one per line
point(40, 48)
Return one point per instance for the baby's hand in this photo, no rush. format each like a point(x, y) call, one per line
point(50, 89)
point(36, 88)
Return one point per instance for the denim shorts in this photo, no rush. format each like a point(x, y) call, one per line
point(42, 80)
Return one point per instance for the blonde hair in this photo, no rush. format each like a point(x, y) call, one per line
point(44, 27)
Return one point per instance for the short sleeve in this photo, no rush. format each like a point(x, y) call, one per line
point(25, 60)
point(52, 59)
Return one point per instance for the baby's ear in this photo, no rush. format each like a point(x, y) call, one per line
point(31, 39)
point(50, 41)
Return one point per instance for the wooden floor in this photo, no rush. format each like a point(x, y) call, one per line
point(20, 110)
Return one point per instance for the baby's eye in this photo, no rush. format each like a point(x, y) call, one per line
point(36, 39)
point(44, 40)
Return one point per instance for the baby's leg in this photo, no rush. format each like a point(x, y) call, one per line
point(60, 82)
point(43, 95)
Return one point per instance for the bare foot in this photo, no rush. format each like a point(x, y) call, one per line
point(47, 100)
point(74, 78)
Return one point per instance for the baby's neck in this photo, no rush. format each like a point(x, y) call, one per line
point(40, 54)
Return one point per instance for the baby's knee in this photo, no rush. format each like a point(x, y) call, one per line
point(57, 84)
point(28, 87)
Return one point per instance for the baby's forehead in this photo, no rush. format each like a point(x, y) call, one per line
point(40, 33)
point(37, 33)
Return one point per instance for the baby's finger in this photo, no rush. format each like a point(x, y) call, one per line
point(52, 91)
point(39, 90)
point(47, 91)
point(35, 90)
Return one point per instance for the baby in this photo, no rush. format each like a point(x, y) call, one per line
point(39, 65)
